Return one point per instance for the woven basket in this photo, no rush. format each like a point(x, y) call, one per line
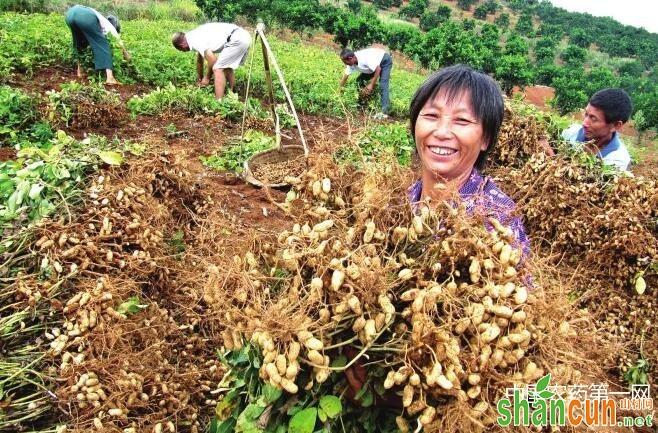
point(285, 153)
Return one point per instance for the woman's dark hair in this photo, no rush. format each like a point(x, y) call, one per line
point(615, 104)
point(486, 100)
point(115, 22)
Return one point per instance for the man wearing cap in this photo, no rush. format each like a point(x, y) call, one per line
point(606, 112)
point(374, 64)
point(224, 46)
point(90, 28)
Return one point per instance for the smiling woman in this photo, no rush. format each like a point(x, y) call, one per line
point(455, 119)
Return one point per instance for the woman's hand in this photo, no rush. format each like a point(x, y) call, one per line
point(126, 55)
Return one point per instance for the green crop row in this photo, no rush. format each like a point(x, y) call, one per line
point(312, 75)
point(30, 42)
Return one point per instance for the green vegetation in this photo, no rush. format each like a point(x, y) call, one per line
point(19, 118)
point(447, 42)
point(48, 175)
point(233, 156)
point(638, 373)
point(126, 10)
point(250, 406)
point(188, 100)
point(312, 76)
point(375, 140)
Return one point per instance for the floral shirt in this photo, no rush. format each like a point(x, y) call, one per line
point(481, 196)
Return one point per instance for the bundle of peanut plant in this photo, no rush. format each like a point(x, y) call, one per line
point(122, 354)
point(525, 131)
point(433, 304)
point(600, 225)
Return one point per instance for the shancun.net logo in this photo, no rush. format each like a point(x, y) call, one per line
point(593, 405)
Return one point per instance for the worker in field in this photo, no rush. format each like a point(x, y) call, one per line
point(373, 64)
point(605, 114)
point(91, 29)
point(224, 47)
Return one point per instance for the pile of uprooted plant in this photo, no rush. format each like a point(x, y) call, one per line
point(598, 227)
point(99, 333)
point(363, 306)
point(362, 313)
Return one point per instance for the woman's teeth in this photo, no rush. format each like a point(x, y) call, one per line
point(442, 150)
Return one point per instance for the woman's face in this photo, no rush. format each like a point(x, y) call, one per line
point(449, 137)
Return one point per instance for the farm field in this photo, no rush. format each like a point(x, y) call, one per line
point(145, 286)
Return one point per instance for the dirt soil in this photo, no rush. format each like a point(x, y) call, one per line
point(7, 153)
point(248, 207)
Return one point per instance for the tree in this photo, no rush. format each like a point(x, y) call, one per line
point(492, 6)
point(443, 12)
point(447, 45)
point(644, 100)
point(545, 42)
point(544, 55)
point(468, 24)
point(354, 5)
point(640, 124)
point(385, 4)
point(632, 68)
point(300, 15)
point(522, 5)
point(358, 30)
point(580, 37)
point(569, 93)
point(599, 78)
point(502, 20)
point(400, 36)
point(480, 12)
point(545, 73)
point(573, 56)
point(524, 25)
point(465, 4)
point(513, 70)
point(414, 9)
point(430, 20)
point(551, 31)
point(489, 46)
point(516, 45)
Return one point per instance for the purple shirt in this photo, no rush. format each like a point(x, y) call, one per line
point(481, 196)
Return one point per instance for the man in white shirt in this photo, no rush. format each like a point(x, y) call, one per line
point(224, 46)
point(373, 64)
point(606, 112)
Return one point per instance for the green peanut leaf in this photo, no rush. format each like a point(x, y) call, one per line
point(331, 405)
point(111, 158)
point(303, 421)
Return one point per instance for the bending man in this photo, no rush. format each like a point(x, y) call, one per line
point(373, 63)
point(223, 46)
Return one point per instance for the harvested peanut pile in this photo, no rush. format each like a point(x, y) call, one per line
point(275, 172)
point(431, 310)
point(126, 355)
point(599, 229)
point(519, 138)
point(83, 107)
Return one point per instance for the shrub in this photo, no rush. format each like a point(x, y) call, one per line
point(414, 9)
point(17, 112)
